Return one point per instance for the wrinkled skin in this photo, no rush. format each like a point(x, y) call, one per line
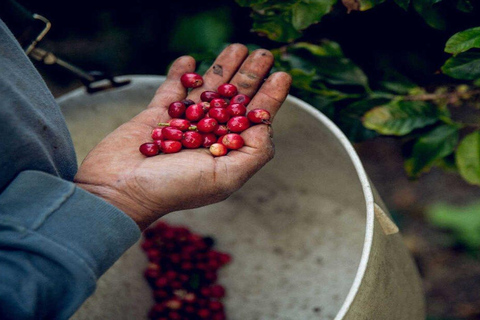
point(148, 188)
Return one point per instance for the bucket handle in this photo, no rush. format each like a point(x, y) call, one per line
point(389, 227)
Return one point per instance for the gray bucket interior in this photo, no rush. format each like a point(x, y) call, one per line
point(296, 230)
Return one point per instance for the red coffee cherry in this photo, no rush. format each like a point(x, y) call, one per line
point(240, 98)
point(232, 141)
point(218, 103)
point(192, 140)
point(259, 116)
point(171, 133)
point(157, 134)
point(171, 146)
point(218, 150)
point(176, 109)
point(237, 109)
point(219, 114)
point(149, 149)
point(221, 130)
point(227, 90)
point(209, 95)
point(207, 125)
point(191, 80)
point(194, 112)
point(208, 139)
point(238, 124)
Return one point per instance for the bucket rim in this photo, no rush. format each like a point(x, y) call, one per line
point(367, 192)
point(345, 143)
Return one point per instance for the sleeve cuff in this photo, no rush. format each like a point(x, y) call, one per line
point(95, 231)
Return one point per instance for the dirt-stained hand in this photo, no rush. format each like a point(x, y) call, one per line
point(148, 188)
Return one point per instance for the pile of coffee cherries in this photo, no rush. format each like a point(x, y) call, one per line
point(182, 272)
point(214, 123)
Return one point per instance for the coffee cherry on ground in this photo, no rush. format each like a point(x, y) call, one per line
point(238, 124)
point(240, 98)
point(204, 313)
point(188, 102)
point(221, 130)
point(171, 146)
point(171, 133)
point(227, 90)
point(209, 95)
point(176, 109)
point(236, 109)
point(218, 103)
point(149, 149)
point(219, 114)
point(208, 139)
point(157, 134)
point(217, 291)
point(259, 116)
point(192, 140)
point(215, 305)
point(224, 258)
point(194, 112)
point(232, 141)
point(191, 80)
point(219, 316)
point(218, 150)
point(207, 125)
point(183, 293)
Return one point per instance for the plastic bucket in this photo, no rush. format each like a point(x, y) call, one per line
point(310, 237)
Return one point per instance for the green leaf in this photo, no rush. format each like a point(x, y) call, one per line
point(360, 5)
point(434, 145)
point(368, 4)
point(250, 3)
point(283, 20)
point(463, 41)
point(465, 6)
point(430, 13)
point(400, 117)
point(350, 119)
point(463, 222)
point(403, 4)
point(275, 27)
point(308, 12)
point(464, 66)
point(467, 158)
point(328, 62)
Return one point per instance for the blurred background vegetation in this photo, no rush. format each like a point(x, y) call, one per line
point(384, 70)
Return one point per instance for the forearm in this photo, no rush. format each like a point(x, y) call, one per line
point(56, 240)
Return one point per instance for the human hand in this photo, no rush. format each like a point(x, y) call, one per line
point(148, 188)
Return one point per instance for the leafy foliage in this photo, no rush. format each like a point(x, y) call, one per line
point(283, 20)
point(468, 158)
point(463, 41)
point(464, 66)
point(400, 117)
point(391, 105)
point(463, 222)
point(430, 147)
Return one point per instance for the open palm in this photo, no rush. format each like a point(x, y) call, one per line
point(148, 188)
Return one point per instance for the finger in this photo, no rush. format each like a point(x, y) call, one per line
point(244, 162)
point(172, 90)
point(222, 70)
point(253, 71)
point(272, 93)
